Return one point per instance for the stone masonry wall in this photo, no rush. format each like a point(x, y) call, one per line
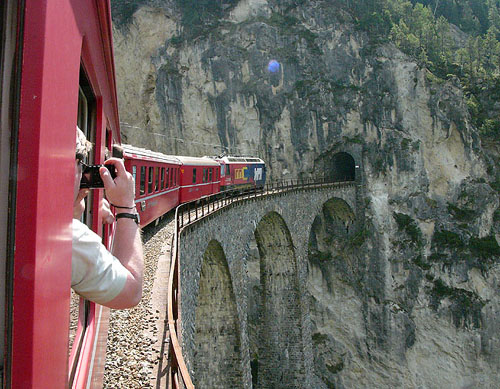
point(234, 228)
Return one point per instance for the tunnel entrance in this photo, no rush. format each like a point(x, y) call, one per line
point(342, 167)
point(217, 361)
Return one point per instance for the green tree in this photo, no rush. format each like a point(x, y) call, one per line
point(491, 50)
point(494, 17)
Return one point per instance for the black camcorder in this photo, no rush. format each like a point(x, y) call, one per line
point(91, 178)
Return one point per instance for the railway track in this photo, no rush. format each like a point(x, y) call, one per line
point(137, 348)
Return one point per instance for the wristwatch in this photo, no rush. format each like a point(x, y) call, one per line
point(134, 216)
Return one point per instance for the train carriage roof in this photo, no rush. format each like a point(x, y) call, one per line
point(197, 161)
point(230, 159)
point(140, 153)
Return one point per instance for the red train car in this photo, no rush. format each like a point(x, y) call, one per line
point(200, 177)
point(157, 181)
point(57, 72)
point(241, 173)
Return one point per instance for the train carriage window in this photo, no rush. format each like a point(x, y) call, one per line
point(194, 176)
point(150, 179)
point(162, 180)
point(166, 177)
point(143, 180)
point(134, 174)
point(227, 170)
point(157, 175)
point(172, 172)
point(204, 178)
point(210, 175)
point(134, 171)
point(86, 120)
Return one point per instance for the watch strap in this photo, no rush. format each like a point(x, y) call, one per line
point(133, 216)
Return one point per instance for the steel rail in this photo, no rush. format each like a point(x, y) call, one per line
point(178, 370)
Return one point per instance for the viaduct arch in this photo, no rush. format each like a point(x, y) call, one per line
point(280, 350)
point(216, 313)
point(275, 232)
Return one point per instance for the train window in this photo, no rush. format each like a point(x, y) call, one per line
point(142, 189)
point(150, 179)
point(166, 177)
point(162, 179)
point(204, 178)
point(134, 174)
point(134, 171)
point(86, 120)
point(210, 175)
point(172, 172)
point(227, 170)
point(157, 175)
point(194, 176)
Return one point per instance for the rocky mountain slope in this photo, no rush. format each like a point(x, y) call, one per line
point(410, 300)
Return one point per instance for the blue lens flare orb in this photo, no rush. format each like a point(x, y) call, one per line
point(273, 66)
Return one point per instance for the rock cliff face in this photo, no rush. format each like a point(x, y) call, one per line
point(409, 300)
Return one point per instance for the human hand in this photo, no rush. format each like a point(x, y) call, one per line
point(120, 191)
point(107, 215)
point(79, 204)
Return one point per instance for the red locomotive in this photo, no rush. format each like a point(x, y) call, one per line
point(241, 173)
point(57, 72)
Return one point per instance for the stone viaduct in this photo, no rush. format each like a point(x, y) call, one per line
point(243, 284)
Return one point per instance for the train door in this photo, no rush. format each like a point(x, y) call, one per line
point(9, 107)
point(44, 44)
point(81, 310)
point(43, 145)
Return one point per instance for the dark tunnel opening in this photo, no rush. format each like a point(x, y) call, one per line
point(342, 167)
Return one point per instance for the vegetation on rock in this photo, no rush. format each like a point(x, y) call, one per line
point(427, 31)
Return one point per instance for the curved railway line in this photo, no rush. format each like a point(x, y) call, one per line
point(142, 348)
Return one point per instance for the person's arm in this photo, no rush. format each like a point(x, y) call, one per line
point(127, 246)
point(79, 204)
point(79, 208)
point(106, 214)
